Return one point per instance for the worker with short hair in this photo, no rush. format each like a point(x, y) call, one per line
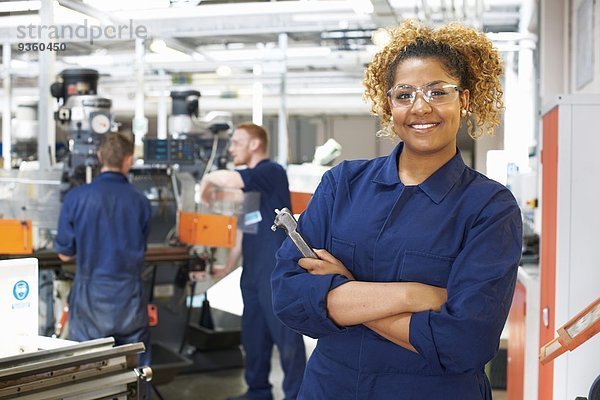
point(260, 327)
point(104, 226)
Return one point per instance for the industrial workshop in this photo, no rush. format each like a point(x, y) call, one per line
point(299, 199)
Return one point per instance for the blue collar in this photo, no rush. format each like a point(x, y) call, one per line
point(112, 176)
point(264, 160)
point(436, 186)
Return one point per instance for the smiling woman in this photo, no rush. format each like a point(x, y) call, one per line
point(465, 54)
point(408, 299)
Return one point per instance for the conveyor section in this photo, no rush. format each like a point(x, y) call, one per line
point(89, 370)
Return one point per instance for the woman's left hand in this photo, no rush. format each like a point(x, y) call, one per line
point(326, 264)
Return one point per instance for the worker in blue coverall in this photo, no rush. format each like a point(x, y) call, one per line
point(104, 225)
point(418, 253)
point(260, 327)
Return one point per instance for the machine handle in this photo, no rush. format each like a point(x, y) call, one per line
point(546, 317)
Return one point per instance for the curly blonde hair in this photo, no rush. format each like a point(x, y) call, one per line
point(467, 55)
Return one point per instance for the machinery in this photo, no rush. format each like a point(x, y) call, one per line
point(172, 169)
point(30, 198)
point(87, 370)
point(38, 367)
point(304, 178)
point(29, 207)
point(184, 117)
point(195, 145)
point(185, 106)
point(173, 166)
point(326, 153)
point(86, 117)
point(24, 134)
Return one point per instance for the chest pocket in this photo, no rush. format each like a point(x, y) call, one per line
point(426, 268)
point(343, 251)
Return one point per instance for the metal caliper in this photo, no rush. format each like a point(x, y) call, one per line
point(286, 221)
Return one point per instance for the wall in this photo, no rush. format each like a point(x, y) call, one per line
point(553, 49)
point(559, 30)
point(483, 145)
point(558, 49)
point(357, 136)
point(592, 47)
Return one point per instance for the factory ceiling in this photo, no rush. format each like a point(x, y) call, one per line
point(222, 46)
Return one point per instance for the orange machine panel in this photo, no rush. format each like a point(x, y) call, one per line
point(300, 201)
point(579, 329)
point(515, 385)
point(16, 236)
point(207, 229)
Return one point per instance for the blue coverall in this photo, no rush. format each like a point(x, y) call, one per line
point(260, 327)
point(458, 230)
point(106, 224)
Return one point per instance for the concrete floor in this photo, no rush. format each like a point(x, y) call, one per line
point(221, 384)
point(218, 385)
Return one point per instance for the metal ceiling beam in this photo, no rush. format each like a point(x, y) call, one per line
point(88, 10)
point(109, 19)
point(384, 14)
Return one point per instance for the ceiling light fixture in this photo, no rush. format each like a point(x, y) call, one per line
point(290, 7)
point(19, 64)
point(184, 3)
point(235, 46)
point(342, 18)
point(64, 15)
point(267, 53)
point(223, 71)
point(93, 60)
point(299, 52)
point(16, 6)
point(362, 6)
point(380, 38)
point(158, 58)
point(158, 45)
point(114, 5)
point(163, 53)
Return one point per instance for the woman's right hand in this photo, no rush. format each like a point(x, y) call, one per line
point(325, 264)
point(422, 297)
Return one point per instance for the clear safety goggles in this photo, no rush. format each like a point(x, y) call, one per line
point(403, 95)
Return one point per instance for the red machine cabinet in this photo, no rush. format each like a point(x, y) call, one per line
point(569, 273)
